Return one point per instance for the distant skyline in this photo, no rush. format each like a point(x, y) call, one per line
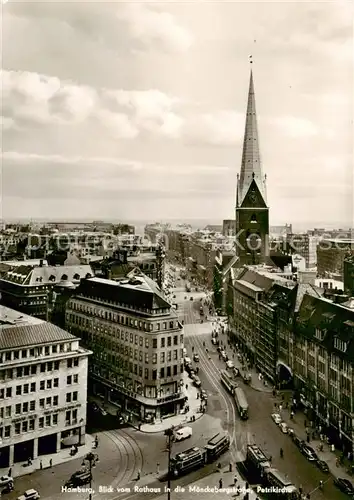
point(136, 111)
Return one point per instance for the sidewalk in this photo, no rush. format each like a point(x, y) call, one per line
point(194, 407)
point(298, 425)
point(43, 461)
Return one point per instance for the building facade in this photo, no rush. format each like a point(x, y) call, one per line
point(323, 347)
point(137, 344)
point(28, 288)
point(252, 212)
point(305, 245)
point(43, 387)
point(331, 254)
point(348, 272)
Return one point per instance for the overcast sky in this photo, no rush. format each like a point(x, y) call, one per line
point(137, 110)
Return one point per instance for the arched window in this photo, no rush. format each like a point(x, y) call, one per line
point(76, 276)
point(52, 277)
point(64, 277)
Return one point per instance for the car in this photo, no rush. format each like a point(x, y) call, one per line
point(230, 364)
point(214, 341)
point(29, 495)
point(196, 381)
point(191, 374)
point(298, 442)
point(309, 453)
point(5, 480)
point(283, 427)
point(321, 464)
point(102, 411)
point(219, 349)
point(203, 395)
point(79, 478)
point(276, 418)
point(224, 356)
point(344, 485)
point(183, 433)
point(196, 358)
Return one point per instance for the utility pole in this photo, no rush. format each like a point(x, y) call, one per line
point(169, 434)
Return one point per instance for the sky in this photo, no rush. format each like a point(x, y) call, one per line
point(127, 110)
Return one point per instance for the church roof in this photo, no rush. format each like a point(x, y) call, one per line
point(251, 167)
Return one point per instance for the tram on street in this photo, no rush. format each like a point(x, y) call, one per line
point(241, 403)
point(228, 382)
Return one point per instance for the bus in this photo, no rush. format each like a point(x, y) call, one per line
point(226, 379)
point(188, 460)
point(241, 403)
point(284, 489)
point(217, 445)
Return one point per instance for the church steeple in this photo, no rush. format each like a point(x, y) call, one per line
point(251, 167)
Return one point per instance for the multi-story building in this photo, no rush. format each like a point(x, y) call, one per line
point(43, 386)
point(323, 348)
point(330, 256)
point(229, 227)
point(348, 272)
point(305, 245)
point(137, 344)
point(27, 288)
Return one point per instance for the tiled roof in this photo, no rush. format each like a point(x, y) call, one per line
point(26, 275)
point(335, 320)
point(28, 335)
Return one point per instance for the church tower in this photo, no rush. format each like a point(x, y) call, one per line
point(252, 212)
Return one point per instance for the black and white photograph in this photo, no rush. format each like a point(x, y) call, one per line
point(177, 250)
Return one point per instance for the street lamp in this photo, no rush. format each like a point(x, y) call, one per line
point(169, 433)
point(92, 459)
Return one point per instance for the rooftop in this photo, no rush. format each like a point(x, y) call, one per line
point(20, 330)
point(30, 276)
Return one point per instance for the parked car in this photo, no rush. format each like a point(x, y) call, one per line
point(344, 485)
point(321, 464)
point(224, 356)
point(214, 341)
point(219, 349)
point(183, 433)
point(8, 488)
point(309, 453)
point(299, 442)
point(203, 395)
point(196, 358)
point(230, 364)
point(276, 418)
point(283, 427)
point(29, 495)
point(5, 480)
point(79, 478)
point(196, 381)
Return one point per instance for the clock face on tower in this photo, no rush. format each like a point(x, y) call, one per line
point(253, 197)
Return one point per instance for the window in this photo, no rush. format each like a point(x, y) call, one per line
point(48, 420)
point(41, 403)
point(171, 324)
point(8, 411)
point(42, 385)
point(46, 350)
point(163, 342)
point(56, 365)
point(19, 372)
point(340, 344)
point(146, 358)
point(18, 408)
point(68, 397)
point(175, 340)
point(169, 341)
point(48, 401)
point(25, 407)
point(42, 367)
point(154, 343)
point(75, 395)
point(69, 363)
point(175, 369)
point(17, 428)
point(33, 386)
point(54, 349)
point(41, 422)
point(146, 373)
point(55, 419)
point(69, 380)
point(7, 431)
point(24, 426)
point(169, 371)
point(55, 400)
point(162, 375)
point(56, 382)
point(31, 425)
point(50, 366)
point(154, 374)
point(76, 361)
point(9, 392)
point(32, 405)
point(26, 389)
point(49, 384)
point(18, 390)
point(76, 379)
point(33, 369)
point(169, 355)
point(162, 357)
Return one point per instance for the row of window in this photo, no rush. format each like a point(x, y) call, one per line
point(113, 316)
point(33, 352)
point(136, 355)
point(169, 371)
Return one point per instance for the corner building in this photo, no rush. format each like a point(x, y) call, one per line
point(43, 387)
point(137, 344)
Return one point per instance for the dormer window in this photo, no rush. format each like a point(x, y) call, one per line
point(64, 277)
point(76, 276)
point(340, 344)
point(52, 277)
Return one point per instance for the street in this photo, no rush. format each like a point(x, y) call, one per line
point(124, 452)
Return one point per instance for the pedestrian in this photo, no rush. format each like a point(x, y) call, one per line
point(305, 423)
point(186, 387)
point(138, 475)
point(235, 480)
point(158, 468)
point(220, 483)
point(280, 407)
point(308, 438)
point(230, 467)
point(197, 395)
point(50, 463)
point(10, 472)
point(40, 464)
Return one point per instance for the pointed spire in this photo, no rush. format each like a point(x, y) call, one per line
point(251, 168)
